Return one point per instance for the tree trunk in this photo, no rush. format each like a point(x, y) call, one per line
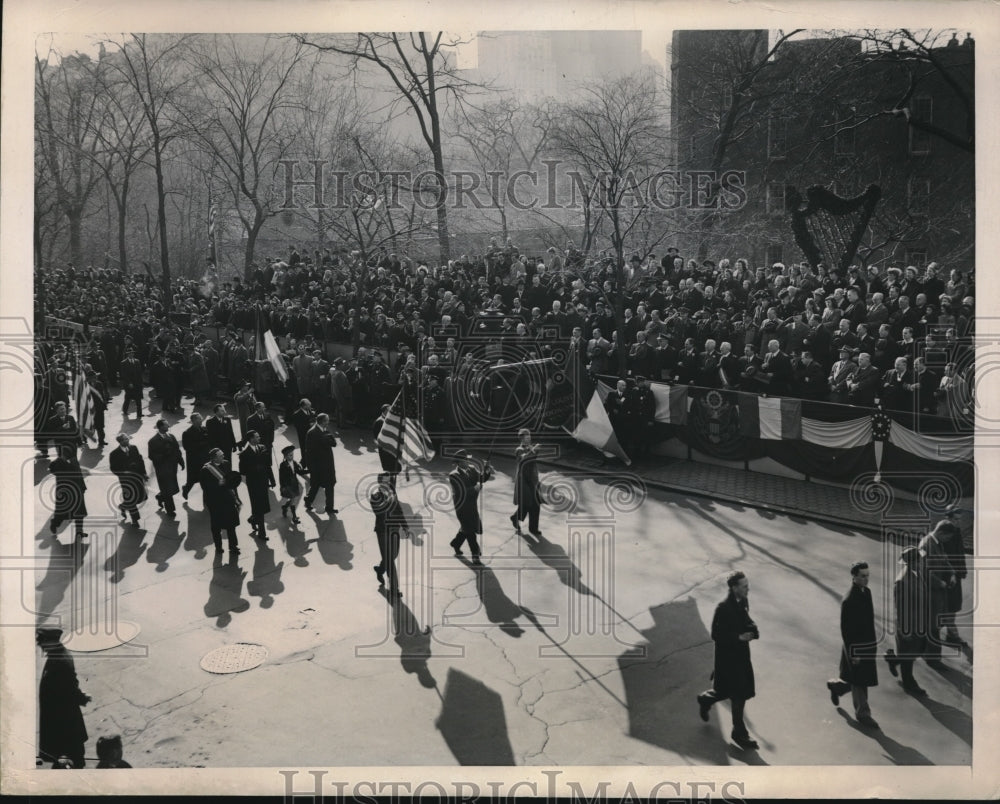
point(122, 222)
point(161, 219)
point(248, 254)
point(75, 250)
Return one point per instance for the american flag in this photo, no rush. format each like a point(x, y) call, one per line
point(82, 402)
point(404, 436)
point(881, 424)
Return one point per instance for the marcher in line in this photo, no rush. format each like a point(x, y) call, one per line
point(288, 478)
point(388, 460)
point(954, 548)
point(322, 468)
point(858, 671)
point(61, 731)
point(220, 431)
point(196, 443)
point(130, 377)
point(254, 463)
point(912, 608)
point(940, 578)
point(261, 422)
point(389, 521)
point(127, 464)
point(218, 488)
point(165, 455)
point(733, 678)
point(527, 488)
point(69, 492)
point(466, 480)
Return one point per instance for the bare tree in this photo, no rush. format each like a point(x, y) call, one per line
point(615, 137)
point(67, 112)
point(424, 73)
point(240, 113)
point(149, 66)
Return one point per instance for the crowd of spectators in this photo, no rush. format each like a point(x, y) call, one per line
point(899, 335)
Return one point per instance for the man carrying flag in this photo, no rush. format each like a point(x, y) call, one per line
point(595, 429)
point(84, 404)
point(401, 435)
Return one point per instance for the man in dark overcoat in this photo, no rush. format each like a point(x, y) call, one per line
point(61, 730)
point(218, 489)
point(196, 443)
point(912, 603)
point(255, 462)
point(732, 677)
point(466, 480)
point(70, 490)
point(857, 659)
point(322, 469)
point(220, 431)
point(126, 463)
point(261, 422)
point(527, 491)
point(165, 455)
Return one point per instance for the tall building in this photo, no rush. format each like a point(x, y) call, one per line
point(813, 113)
point(538, 64)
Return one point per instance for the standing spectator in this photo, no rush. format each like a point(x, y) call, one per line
point(809, 378)
point(196, 443)
point(289, 473)
point(212, 363)
point(618, 405)
point(778, 368)
point(245, 404)
point(911, 602)
point(220, 431)
point(527, 488)
point(733, 678)
point(126, 463)
point(644, 410)
point(863, 387)
point(69, 492)
point(255, 466)
point(322, 468)
point(896, 393)
point(340, 392)
point(841, 375)
point(924, 387)
point(389, 520)
point(858, 671)
point(130, 376)
point(165, 455)
point(218, 488)
point(197, 370)
point(62, 732)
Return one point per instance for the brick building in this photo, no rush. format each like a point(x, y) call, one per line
point(808, 112)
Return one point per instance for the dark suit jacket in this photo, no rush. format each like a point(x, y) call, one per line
point(319, 455)
point(733, 674)
point(221, 435)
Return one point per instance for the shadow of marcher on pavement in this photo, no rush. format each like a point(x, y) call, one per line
point(414, 641)
point(131, 546)
point(500, 609)
point(64, 563)
point(898, 753)
point(266, 581)
point(333, 545)
point(225, 590)
point(166, 543)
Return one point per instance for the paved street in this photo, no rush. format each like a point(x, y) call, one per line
point(586, 647)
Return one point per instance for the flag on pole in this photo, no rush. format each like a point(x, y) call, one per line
point(274, 355)
point(404, 437)
point(82, 402)
point(595, 429)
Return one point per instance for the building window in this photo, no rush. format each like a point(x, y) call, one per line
point(777, 129)
point(922, 110)
point(919, 196)
point(775, 253)
point(843, 139)
point(775, 201)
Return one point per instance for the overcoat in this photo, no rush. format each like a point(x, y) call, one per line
point(465, 496)
point(319, 456)
point(130, 469)
point(527, 494)
point(733, 674)
point(220, 497)
point(165, 455)
point(857, 630)
point(61, 727)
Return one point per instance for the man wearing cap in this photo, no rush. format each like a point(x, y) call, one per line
point(290, 488)
point(218, 487)
point(840, 375)
point(912, 606)
point(130, 377)
point(61, 730)
point(322, 468)
point(466, 480)
point(126, 463)
point(858, 670)
point(165, 455)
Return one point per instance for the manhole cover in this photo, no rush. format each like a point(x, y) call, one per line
point(97, 638)
point(234, 658)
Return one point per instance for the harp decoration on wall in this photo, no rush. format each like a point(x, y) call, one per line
point(829, 228)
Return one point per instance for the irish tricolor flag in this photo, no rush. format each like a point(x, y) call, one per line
point(595, 429)
point(771, 417)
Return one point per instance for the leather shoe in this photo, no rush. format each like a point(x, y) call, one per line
point(834, 697)
point(703, 706)
point(380, 575)
point(745, 741)
point(515, 523)
point(455, 545)
point(332, 511)
point(915, 689)
point(892, 661)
